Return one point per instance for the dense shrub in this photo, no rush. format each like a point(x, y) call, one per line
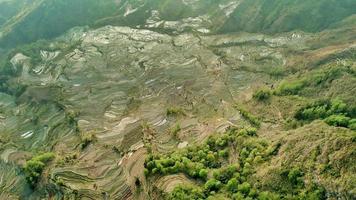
point(175, 130)
point(203, 174)
point(34, 167)
point(69, 159)
point(175, 111)
point(314, 112)
point(295, 177)
point(225, 174)
point(223, 153)
point(239, 196)
point(273, 149)
point(244, 188)
point(320, 110)
point(186, 193)
point(212, 185)
point(314, 193)
point(248, 132)
point(87, 139)
point(232, 185)
point(72, 118)
point(352, 124)
point(338, 120)
point(277, 71)
point(315, 78)
point(291, 88)
point(335, 113)
point(218, 142)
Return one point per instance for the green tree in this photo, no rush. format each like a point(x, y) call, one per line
point(295, 176)
point(203, 174)
point(244, 188)
point(232, 185)
point(212, 185)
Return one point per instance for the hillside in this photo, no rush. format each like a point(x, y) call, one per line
point(166, 99)
point(45, 19)
point(31, 20)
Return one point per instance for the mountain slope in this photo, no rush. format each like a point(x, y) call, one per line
point(173, 106)
point(280, 16)
point(50, 18)
point(147, 83)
